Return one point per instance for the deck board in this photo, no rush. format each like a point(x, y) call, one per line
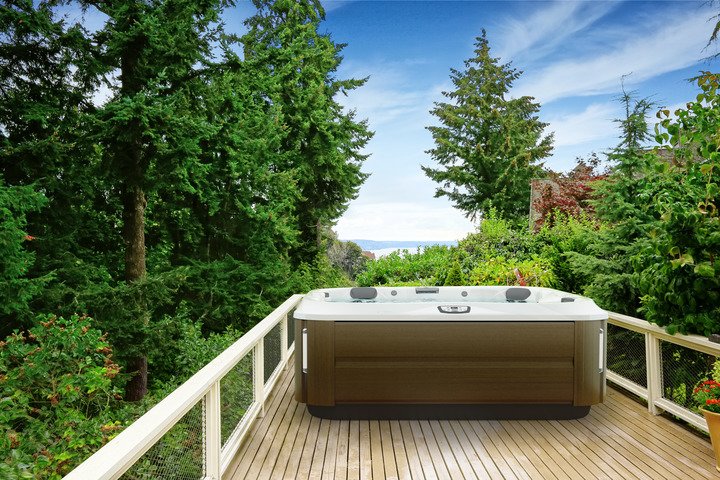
point(618, 439)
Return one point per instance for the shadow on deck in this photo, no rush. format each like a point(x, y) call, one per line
point(618, 439)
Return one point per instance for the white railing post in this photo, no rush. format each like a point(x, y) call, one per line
point(284, 342)
point(212, 432)
point(653, 365)
point(259, 375)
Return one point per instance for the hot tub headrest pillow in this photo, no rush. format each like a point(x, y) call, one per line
point(363, 293)
point(515, 294)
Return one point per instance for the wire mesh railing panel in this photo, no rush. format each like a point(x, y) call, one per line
point(272, 351)
point(291, 327)
point(626, 354)
point(682, 369)
point(178, 455)
point(236, 396)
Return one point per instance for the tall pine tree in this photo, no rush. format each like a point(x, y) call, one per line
point(488, 146)
point(623, 202)
point(324, 143)
point(48, 74)
point(149, 132)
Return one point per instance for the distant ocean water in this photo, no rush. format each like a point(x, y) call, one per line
point(382, 248)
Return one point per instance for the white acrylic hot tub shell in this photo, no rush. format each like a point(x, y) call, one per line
point(544, 304)
point(390, 353)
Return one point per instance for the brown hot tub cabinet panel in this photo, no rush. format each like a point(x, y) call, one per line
point(428, 369)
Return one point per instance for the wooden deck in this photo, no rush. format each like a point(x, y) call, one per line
point(617, 440)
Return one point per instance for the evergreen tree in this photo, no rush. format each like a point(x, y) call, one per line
point(48, 75)
point(186, 194)
point(488, 146)
point(323, 142)
point(16, 289)
point(622, 201)
point(99, 165)
point(149, 130)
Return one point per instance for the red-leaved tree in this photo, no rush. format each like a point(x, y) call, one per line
point(566, 193)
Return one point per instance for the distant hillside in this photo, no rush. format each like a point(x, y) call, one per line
point(371, 245)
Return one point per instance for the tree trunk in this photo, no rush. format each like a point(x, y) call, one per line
point(136, 388)
point(134, 233)
point(134, 237)
point(131, 163)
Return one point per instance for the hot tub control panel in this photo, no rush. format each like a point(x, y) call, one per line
point(454, 308)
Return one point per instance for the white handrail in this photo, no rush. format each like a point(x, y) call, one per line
point(653, 393)
point(118, 455)
point(694, 342)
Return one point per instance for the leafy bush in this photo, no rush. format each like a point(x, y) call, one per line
point(536, 272)
point(678, 268)
point(424, 267)
point(58, 388)
point(455, 275)
point(497, 236)
point(347, 256)
point(488, 257)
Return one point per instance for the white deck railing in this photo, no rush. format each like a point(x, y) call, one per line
point(654, 391)
point(203, 388)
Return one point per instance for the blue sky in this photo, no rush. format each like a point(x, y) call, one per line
point(573, 55)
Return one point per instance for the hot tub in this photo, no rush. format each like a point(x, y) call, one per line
point(449, 352)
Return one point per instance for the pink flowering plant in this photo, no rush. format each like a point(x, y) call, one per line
point(707, 395)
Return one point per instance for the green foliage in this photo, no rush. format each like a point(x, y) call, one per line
point(498, 236)
point(622, 202)
point(191, 190)
point(679, 270)
point(488, 146)
point(537, 272)
point(179, 349)
point(455, 275)
point(562, 240)
point(323, 142)
point(58, 387)
point(426, 267)
point(707, 395)
point(16, 289)
point(322, 273)
point(488, 257)
point(347, 256)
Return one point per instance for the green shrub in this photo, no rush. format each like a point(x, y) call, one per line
point(498, 237)
point(425, 267)
point(537, 272)
point(58, 388)
point(455, 275)
point(679, 272)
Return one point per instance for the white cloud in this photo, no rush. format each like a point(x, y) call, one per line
point(593, 123)
point(330, 5)
point(545, 29)
point(403, 221)
point(389, 95)
point(646, 52)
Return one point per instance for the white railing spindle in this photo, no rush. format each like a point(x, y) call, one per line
point(259, 376)
point(284, 341)
point(212, 432)
point(653, 367)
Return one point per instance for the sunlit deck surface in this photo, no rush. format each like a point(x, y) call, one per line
point(617, 440)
